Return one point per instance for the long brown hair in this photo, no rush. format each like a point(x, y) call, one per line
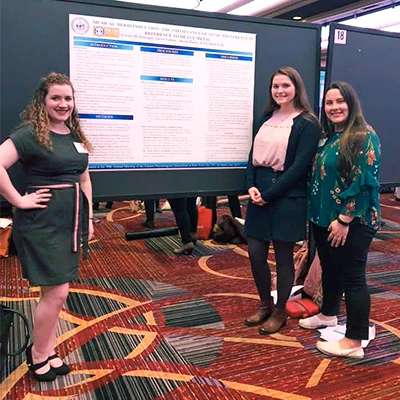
point(300, 99)
point(35, 112)
point(352, 138)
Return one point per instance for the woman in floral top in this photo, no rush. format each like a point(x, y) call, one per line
point(345, 214)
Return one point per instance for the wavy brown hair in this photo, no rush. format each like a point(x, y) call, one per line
point(300, 99)
point(353, 135)
point(36, 114)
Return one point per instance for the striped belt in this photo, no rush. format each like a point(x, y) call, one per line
point(75, 223)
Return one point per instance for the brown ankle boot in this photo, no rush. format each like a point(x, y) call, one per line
point(275, 322)
point(264, 311)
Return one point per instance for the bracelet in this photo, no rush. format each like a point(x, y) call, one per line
point(341, 222)
point(90, 218)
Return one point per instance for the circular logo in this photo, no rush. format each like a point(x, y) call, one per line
point(80, 25)
point(99, 31)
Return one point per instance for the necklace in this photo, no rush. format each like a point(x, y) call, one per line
point(283, 117)
point(279, 118)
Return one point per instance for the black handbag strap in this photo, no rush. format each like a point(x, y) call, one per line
point(26, 328)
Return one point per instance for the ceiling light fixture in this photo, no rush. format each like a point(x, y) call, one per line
point(297, 18)
point(187, 4)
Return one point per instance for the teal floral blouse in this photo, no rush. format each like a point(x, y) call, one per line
point(331, 195)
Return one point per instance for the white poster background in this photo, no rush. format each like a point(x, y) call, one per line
point(162, 96)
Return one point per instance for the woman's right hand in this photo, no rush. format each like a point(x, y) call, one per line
point(255, 194)
point(34, 199)
point(337, 233)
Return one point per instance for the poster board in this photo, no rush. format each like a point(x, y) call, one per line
point(39, 43)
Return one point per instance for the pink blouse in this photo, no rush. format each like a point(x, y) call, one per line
point(270, 145)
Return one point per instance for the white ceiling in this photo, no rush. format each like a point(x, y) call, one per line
point(388, 19)
point(385, 20)
point(238, 7)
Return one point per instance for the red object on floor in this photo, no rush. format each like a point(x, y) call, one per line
point(301, 308)
point(204, 223)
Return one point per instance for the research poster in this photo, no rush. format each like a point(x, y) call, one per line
point(162, 96)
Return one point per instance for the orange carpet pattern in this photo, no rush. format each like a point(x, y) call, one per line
point(141, 323)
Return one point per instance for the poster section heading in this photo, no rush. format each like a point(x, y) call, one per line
point(162, 96)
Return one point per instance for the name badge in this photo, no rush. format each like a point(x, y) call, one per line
point(80, 148)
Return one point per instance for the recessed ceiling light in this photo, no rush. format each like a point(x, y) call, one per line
point(297, 18)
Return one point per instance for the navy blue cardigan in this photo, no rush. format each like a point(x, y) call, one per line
point(292, 181)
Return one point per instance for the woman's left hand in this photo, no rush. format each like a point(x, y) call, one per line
point(338, 233)
point(90, 230)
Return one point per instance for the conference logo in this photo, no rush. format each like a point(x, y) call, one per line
point(98, 31)
point(80, 25)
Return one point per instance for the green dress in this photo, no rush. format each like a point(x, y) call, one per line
point(358, 196)
point(47, 239)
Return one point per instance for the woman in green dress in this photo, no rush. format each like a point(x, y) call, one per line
point(54, 212)
point(345, 214)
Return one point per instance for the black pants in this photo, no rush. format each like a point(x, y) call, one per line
point(234, 206)
point(258, 252)
point(150, 207)
point(186, 216)
point(343, 271)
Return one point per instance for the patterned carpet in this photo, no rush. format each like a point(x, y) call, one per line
point(144, 324)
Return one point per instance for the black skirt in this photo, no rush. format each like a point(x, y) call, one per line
point(282, 219)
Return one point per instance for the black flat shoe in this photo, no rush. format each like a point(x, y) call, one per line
point(148, 224)
point(63, 369)
point(48, 376)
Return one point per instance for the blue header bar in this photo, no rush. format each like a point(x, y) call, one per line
point(229, 57)
point(113, 46)
point(165, 79)
point(167, 51)
point(106, 116)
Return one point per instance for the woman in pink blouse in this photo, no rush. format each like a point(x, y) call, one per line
point(276, 179)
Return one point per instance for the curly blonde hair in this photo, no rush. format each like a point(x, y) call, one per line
point(36, 114)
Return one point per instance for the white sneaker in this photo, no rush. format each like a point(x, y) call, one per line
point(333, 349)
point(316, 322)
